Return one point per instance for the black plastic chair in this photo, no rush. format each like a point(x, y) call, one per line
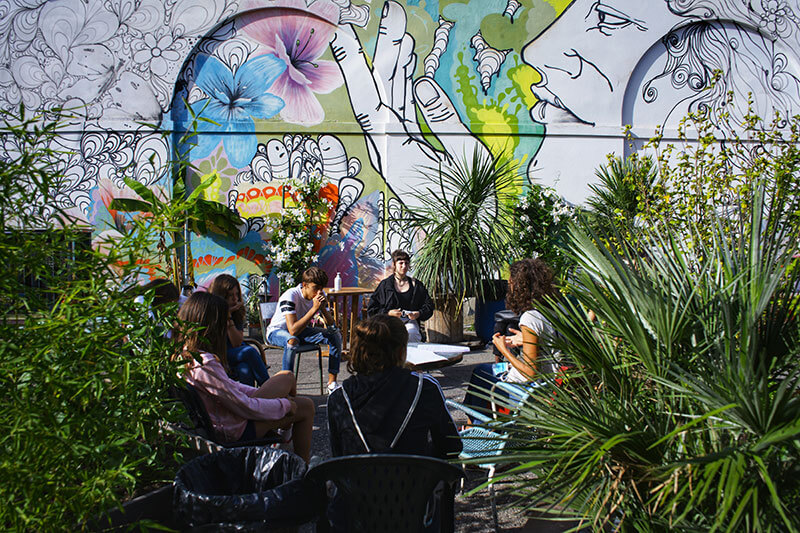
point(203, 431)
point(388, 492)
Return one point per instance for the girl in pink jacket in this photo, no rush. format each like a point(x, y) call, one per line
point(238, 411)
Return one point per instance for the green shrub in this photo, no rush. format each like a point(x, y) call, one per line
point(681, 412)
point(83, 369)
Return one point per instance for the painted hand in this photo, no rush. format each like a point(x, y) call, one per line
point(384, 98)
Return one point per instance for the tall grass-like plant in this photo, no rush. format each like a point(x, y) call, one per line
point(624, 190)
point(83, 369)
point(463, 223)
point(681, 412)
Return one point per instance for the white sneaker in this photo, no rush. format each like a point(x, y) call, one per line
point(332, 386)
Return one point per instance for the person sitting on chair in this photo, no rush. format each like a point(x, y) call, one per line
point(403, 297)
point(237, 411)
point(290, 327)
point(245, 360)
point(384, 407)
point(530, 284)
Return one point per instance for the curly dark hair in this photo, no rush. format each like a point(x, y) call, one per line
point(530, 282)
point(379, 344)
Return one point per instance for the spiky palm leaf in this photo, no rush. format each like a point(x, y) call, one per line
point(681, 412)
point(463, 222)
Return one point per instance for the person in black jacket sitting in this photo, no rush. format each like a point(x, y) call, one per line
point(402, 296)
point(384, 407)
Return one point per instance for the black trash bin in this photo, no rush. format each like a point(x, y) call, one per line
point(240, 489)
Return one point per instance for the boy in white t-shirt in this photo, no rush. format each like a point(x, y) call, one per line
point(289, 326)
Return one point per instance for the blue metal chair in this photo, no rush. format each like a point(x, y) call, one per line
point(488, 439)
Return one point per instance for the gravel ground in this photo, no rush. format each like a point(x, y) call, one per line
point(472, 513)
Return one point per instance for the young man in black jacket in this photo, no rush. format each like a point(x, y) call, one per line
point(403, 297)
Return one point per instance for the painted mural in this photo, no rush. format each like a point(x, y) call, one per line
point(366, 93)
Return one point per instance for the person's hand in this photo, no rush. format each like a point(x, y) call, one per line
point(413, 315)
point(515, 340)
point(499, 340)
point(397, 313)
point(292, 408)
point(385, 99)
point(318, 301)
point(236, 307)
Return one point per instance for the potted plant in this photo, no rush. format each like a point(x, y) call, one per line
point(463, 226)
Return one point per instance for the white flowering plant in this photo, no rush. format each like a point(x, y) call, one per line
point(302, 225)
point(541, 218)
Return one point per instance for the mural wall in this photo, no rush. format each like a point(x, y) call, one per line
point(366, 93)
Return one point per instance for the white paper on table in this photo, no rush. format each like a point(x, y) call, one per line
point(441, 349)
point(417, 356)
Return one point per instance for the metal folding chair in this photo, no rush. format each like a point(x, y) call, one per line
point(488, 439)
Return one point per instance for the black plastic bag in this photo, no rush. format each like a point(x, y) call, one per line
point(238, 487)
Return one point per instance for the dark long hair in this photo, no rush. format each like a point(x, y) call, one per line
point(531, 283)
point(203, 319)
point(379, 344)
point(222, 286)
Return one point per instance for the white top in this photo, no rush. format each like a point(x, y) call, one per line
point(291, 302)
point(541, 327)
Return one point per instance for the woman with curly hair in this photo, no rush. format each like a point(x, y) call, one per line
point(530, 284)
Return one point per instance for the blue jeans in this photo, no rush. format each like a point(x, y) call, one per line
point(246, 365)
point(331, 337)
point(481, 380)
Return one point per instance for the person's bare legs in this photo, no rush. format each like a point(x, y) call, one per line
point(284, 385)
point(281, 385)
point(302, 427)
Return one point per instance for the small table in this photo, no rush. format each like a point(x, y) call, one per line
point(349, 315)
point(430, 356)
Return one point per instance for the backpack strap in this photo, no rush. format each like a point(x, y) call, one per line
point(409, 413)
point(353, 418)
point(402, 426)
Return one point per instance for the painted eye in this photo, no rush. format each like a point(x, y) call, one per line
point(610, 19)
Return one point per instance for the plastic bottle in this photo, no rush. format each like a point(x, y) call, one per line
point(337, 282)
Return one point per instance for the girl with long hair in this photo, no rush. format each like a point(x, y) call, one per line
point(245, 362)
point(237, 411)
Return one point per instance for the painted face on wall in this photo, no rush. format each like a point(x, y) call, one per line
point(586, 56)
point(606, 64)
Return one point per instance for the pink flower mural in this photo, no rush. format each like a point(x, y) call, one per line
point(299, 39)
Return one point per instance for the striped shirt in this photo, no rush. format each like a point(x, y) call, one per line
point(291, 302)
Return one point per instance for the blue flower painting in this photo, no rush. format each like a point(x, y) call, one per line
point(235, 99)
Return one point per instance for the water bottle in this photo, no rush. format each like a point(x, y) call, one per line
point(337, 282)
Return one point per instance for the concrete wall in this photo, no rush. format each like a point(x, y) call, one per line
point(546, 83)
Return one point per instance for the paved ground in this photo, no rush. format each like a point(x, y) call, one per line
point(472, 513)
